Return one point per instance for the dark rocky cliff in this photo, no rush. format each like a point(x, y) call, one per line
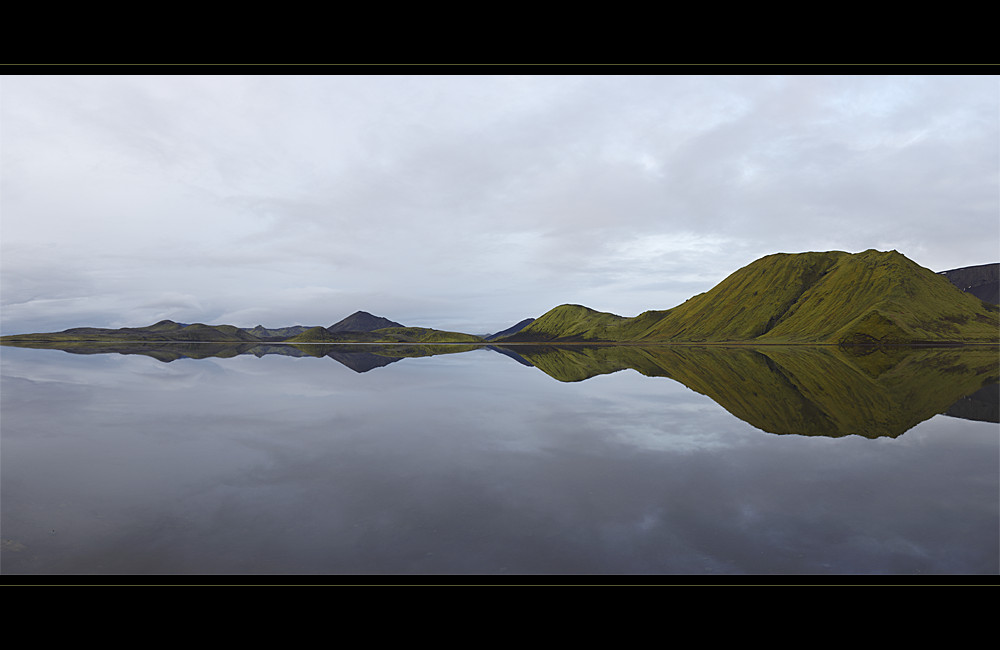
point(982, 281)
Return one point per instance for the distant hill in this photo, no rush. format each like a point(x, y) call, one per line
point(384, 335)
point(982, 281)
point(165, 330)
point(275, 334)
point(513, 329)
point(573, 323)
point(828, 297)
point(361, 321)
point(427, 335)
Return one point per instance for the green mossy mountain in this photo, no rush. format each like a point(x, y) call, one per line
point(832, 298)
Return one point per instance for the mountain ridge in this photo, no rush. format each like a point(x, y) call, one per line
point(832, 297)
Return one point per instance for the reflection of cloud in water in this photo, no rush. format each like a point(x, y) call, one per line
point(280, 464)
point(679, 439)
point(825, 391)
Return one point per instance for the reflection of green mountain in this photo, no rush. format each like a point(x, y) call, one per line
point(830, 391)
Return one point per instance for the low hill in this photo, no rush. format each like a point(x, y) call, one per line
point(829, 297)
point(427, 335)
point(576, 323)
point(275, 333)
point(361, 321)
point(314, 335)
point(513, 329)
point(163, 331)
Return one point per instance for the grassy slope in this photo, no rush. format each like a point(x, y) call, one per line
point(887, 297)
point(570, 322)
point(313, 335)
point(427, 335)
point(831, 297)
point(748, 303)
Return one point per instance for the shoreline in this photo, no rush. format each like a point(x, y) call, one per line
point(950, 344)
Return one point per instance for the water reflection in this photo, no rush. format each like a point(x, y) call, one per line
point(828, 391)
point(471, 463)
point(818, 391)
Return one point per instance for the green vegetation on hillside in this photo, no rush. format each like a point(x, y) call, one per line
point(833, 297)
point(426, 335)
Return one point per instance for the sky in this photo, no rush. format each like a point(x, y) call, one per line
point(467, 203)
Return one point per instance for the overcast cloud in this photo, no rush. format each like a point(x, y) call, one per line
point(467, 203)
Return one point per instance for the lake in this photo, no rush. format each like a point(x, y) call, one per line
point(530, 460)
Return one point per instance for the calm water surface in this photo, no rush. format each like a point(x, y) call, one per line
point(475, 463)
